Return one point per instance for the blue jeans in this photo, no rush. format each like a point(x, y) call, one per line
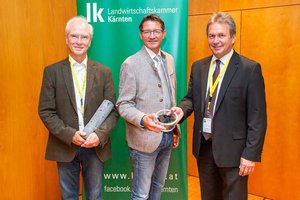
point(150, 170)
point(92, 170)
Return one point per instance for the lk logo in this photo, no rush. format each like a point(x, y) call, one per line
point(94, 13)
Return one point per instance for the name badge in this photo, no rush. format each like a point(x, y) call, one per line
point(207, 125)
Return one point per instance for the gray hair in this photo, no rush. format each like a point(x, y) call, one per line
point(78, 19)
point(222, 17)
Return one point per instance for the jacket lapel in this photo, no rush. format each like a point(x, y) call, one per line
point(89, 81)
point(67, 73)
point(170, 76)
point(230, 71)
point(147, 58)
point(203, 79)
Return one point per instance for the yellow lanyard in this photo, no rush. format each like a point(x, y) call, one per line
point(213, 86)
point(79, 89)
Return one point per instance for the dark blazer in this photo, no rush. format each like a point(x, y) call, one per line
point(57, 108)
point(240, 118)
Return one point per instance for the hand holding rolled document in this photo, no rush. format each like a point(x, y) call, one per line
point(98, 118)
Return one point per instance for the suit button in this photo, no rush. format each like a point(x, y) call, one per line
point(159, 85)
point(161, 100)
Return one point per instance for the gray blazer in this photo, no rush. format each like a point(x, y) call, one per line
point(57, 108)
point(140, 93)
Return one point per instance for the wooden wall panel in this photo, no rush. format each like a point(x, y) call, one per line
point(202, 6)
point(32, 34)
point(273, 41)
point(241, 5)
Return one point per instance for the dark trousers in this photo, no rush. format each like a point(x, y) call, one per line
point(219, 183)
point(92, 172)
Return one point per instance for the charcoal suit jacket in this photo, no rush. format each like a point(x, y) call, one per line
point(240, 119)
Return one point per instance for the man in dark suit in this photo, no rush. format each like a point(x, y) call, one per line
point(230, 114)
point(71, 92)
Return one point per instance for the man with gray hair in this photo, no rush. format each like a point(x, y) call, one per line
point(72, 90)
point(227, 95)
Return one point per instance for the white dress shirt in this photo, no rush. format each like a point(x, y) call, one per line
point(80, 70)
point(223, 60)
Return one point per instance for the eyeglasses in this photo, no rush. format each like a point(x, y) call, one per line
point(75, 37)
point(155, 32)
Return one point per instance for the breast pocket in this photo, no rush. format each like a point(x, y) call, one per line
point(234, 95)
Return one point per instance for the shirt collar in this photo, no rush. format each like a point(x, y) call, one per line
point(75, 63)
point(152, 54)
point(224, 59)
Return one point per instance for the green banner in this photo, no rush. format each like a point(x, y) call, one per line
point(116, 36)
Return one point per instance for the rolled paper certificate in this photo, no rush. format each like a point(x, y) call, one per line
point(98, 118)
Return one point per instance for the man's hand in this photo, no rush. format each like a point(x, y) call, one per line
point(91, 141)
point(78, 138)
point(246, 167)
point(176, 139)
point(179, 113)
point(151, 122)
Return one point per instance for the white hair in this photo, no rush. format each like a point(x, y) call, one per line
point(76, 19)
